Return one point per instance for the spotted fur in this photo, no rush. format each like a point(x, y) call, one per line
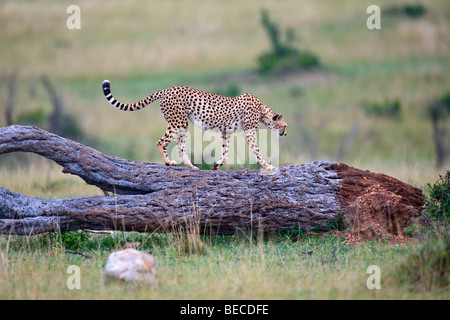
point(209, 112)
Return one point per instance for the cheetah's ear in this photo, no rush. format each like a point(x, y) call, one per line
point(277, 117)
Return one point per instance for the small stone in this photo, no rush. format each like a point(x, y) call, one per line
point(130, 266)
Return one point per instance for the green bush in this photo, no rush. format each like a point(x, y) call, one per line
point(283, 57)
point(67, 125)
point(388, 108)
point(408, 10)
point(231, 90)
point(414, 10)
point(289, 61)
point(35, 117)
point(440, 109)
point(437, 203)
point(74, 240)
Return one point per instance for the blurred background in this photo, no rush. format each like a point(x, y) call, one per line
point(375, 99)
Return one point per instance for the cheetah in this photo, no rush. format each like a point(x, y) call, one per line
point(208, 111)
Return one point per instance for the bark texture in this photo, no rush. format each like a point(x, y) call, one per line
point(152, 197)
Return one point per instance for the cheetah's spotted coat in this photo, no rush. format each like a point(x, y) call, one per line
point(210, 112)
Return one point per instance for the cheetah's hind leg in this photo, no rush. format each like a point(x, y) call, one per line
point(162, 144)
point(225, 147)
point(182, 150)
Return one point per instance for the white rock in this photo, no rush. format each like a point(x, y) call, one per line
point(131, 266)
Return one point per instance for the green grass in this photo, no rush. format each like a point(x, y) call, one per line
point(228, 268)
point(144, 47)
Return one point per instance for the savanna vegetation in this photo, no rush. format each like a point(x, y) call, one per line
point(374, 99)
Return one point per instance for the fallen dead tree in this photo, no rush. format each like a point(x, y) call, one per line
point(150, 197)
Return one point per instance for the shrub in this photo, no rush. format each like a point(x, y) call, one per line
point(36, 117)
point(283, 57)
point(289, 61)
point(388, 108)
point(437, 203)
point(231, 90)
point(408, 10)
point(69, 127)
point(414, 10)
point(74, 240)
point(441, 107)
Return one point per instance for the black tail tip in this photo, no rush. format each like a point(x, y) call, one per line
point(106, 84)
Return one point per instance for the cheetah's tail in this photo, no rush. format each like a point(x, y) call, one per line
point(127, 106)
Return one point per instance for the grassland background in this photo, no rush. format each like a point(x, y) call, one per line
point(142, 47)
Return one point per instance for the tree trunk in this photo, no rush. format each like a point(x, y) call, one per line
point(152, 197)
point(439, 134)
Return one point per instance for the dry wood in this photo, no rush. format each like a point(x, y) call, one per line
point(79, 253)
point(152, 197)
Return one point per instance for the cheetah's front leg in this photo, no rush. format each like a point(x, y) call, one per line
point(250, 137)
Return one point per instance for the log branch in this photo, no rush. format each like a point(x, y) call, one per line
point(154, 198)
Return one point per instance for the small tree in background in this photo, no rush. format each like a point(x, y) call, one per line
point(439, 112)
point(283, 56)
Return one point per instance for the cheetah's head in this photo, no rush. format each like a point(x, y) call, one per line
point(278, 124)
